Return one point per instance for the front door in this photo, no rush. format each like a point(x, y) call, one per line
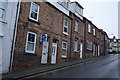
point(44, 53)
point(81, 50)
point(54, 53)
point(98, 50)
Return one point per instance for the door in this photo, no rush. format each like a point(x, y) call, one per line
point(44, 53)
point(54, 53)
point(98, 50)
point(81, 50)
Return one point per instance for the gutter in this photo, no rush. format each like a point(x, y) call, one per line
point(14, 35)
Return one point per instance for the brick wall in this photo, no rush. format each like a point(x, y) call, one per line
point(51, 22)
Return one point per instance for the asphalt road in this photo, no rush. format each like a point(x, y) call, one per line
point(107, 67)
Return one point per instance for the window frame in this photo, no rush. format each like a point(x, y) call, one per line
point(66, 33)
point(89, 45)
point(89, 28)
point(94, 32)
point(27, 51)
point(31, 12)
point(3, 7)
point(76, 46)
point(76, 26)
point(64, 56)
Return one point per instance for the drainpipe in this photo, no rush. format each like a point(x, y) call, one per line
point(14, 35)
point(71, 39)
point(84, 39)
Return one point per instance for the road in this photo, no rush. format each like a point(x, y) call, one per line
point(105, 67)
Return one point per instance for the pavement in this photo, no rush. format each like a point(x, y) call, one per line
point(22, 74)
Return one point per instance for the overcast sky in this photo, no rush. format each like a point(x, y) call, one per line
point(103, 13)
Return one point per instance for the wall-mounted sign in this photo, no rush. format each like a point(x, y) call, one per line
point(43, 38)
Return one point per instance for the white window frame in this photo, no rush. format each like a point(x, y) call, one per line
point(64, 56)
point(94, 33)
point(3, 6)
point(31, 12)
point(66, 33)
point(76, 26)
point(27, 42)
point(76, 46)
point(89, 45)
point(79, 10)
point(89, 28)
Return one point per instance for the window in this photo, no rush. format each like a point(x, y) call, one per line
point(31, 42)
point(89, 28)
point(64, 49)
point(64, 3)
point(65, 27)
point(98, 35)
point(89, 45)
point(118, 40)
point(34, 11)
point(94, 31)
point(79, 10)
point(76, 26)
point(76, 45)
point(3, 6)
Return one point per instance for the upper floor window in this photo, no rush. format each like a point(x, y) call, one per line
point(89, 28)
point(94, 31)
point(79, 10)
point(98, 34)
point(31, 42)
point(118, 40)
point(64, 3)
point(3, 6)
point(76, 26)
point(65, 27)
point(34, 11)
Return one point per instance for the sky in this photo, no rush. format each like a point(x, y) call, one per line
point(103, 13)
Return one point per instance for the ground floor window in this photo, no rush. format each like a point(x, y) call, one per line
point(30, 42)
point(89, 45)
point(76, 45)
point(64, 49)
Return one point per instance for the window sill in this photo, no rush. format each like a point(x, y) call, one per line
point(89, 32)
point(77, 32)
point(89, 49)
point(2, 21)
point(64, 56)
point(76, 51)
point(65, 33)
point(35, 21)
point(31, 54)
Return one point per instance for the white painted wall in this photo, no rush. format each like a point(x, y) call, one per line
point(7, 29)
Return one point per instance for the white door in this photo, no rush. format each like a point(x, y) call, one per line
point(44, 53)
point(98, 50)
point(54, 53)
point(81, 50)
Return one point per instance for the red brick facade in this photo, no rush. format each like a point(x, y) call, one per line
point(50, 22)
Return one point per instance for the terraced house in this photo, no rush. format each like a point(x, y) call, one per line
point(96, 40)
point(43, 34)
point(54, 32)
point(77, 30)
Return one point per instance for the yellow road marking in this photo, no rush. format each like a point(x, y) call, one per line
point(55, 70)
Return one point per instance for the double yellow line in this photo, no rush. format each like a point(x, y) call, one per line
point(33, 76)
